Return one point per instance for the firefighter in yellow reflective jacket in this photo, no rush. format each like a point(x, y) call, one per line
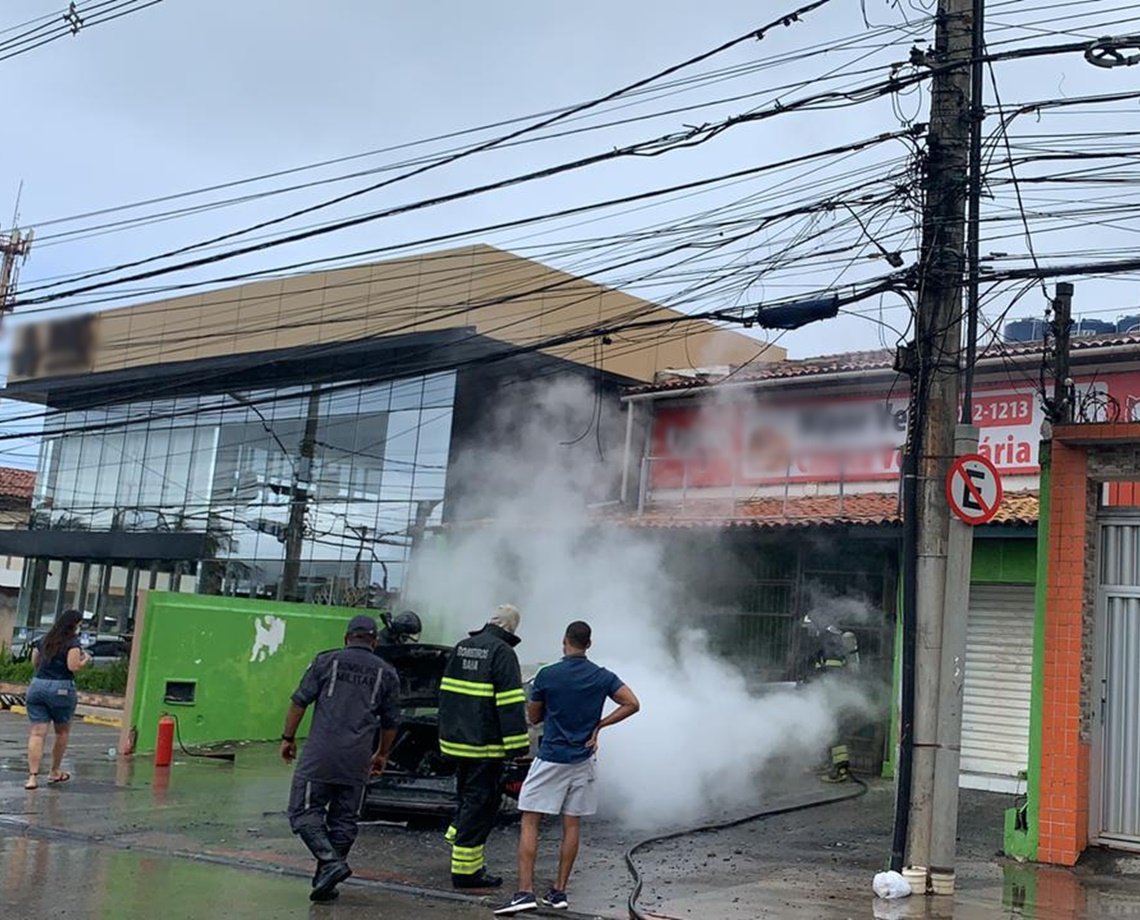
point(836, 651)
point(482, 722)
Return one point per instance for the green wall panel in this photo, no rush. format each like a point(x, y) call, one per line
point(244, 658)
point(1004, 561)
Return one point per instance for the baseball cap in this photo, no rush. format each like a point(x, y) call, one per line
point(362, 625)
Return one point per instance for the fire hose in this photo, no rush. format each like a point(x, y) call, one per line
point(635, 912)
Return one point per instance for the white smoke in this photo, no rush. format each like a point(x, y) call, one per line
point(701, 737)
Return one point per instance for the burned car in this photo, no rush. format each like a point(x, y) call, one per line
point(419, 783)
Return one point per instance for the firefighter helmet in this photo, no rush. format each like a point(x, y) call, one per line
point(405, 626)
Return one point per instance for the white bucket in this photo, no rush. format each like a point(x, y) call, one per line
point(942, 882)
point(916, 877)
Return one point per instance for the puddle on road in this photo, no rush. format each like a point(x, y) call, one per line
point(46, 878)
point(1027, 893)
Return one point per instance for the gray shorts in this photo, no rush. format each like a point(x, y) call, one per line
point(560, 788)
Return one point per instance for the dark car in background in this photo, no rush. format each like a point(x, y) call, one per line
point(105, 649)
point(418, 785)
point(23, 638)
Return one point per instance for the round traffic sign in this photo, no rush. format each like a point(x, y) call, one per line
point(973, 489)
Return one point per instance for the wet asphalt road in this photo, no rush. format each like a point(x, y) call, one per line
point(208, 839)
point(42, 878)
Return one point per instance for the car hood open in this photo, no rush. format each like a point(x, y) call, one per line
point(420, 668)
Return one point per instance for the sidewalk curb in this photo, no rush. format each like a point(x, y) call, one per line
point(21, 710)
point(23, 828)
point(101, 720)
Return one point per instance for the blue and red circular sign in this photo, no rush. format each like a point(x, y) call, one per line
point(973, 489)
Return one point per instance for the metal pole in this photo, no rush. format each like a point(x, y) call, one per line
point(643, 485)
point(1062, 327)
point(973, 221)
point(904, 774)
point(626, 458)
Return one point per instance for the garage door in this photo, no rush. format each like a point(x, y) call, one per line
point(999, 665)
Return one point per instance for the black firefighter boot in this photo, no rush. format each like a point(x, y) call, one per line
point(331, 867)
point(331, 894)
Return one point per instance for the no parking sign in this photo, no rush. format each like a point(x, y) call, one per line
point(973, 489)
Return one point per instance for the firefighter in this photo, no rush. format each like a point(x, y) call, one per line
point(836, 651)
point(354, 694)
point(482, 722)
point(401, 629)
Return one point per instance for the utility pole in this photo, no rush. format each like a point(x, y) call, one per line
point(974, 213)
point(14, 248)
point(1061, 409)
point(933, 443)
point(299, 502)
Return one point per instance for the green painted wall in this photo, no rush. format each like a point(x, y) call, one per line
point(245, 657)
point(1002, 561)
point(1022, 830)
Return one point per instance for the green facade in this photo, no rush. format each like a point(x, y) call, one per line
point(1022, 829)
point(241, 660)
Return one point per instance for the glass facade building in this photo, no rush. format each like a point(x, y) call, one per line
point(312, 493)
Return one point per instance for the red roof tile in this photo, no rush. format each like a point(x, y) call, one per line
point(882, 359)
point(16, 483)
point(815, 511)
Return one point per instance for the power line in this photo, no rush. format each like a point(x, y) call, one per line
point(73, 20)
point(752, 35)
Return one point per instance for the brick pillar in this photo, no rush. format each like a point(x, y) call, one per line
point(1064, 784)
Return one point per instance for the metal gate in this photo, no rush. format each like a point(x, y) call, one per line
point(998, 687)
point(1115, 811)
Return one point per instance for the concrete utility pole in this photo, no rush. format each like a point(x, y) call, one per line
point(1061, 409)
point(933, 806)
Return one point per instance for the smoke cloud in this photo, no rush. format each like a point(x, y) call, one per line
point(702, 736)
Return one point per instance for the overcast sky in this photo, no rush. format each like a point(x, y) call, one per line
point(191, 93)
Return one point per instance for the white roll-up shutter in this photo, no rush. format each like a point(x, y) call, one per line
point(999, 665)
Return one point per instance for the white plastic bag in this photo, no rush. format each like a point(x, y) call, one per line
point(890, 886)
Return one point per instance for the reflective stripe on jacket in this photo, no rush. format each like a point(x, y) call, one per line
point(482, 705)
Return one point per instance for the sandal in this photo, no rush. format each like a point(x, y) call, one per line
point(62, 777)
point(32, 783)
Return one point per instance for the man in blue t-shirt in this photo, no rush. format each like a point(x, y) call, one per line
point(567, 697)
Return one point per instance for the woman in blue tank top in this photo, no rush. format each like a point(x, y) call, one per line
point(51, 694)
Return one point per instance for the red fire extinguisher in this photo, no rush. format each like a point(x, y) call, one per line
point(164, 743)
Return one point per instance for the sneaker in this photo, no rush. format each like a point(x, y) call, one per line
point(523, 900)
point(556, 899)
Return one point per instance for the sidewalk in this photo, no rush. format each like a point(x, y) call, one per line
point(811, 865)
point(93, 709)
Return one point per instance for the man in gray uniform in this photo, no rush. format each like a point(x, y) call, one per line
point(355, 692)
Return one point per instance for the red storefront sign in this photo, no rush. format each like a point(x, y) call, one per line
point(854, 439)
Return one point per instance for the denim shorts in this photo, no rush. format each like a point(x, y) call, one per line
point(51, 700)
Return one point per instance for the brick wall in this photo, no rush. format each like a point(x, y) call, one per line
point(1084, 457)
point(1063, 835)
